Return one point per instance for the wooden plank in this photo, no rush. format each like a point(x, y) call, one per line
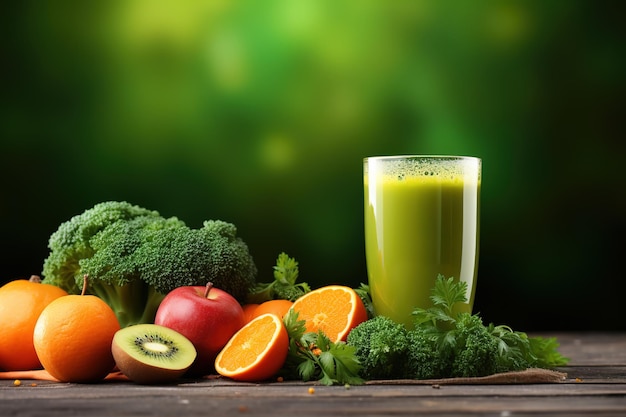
point(196, 402)
point(596, 374)
point(290, 391)
point(596, 384)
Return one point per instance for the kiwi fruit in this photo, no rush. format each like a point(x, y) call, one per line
point(152, 354)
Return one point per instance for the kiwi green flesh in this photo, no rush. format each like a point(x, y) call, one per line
point(152, 354)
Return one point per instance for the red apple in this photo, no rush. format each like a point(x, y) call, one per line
point(207, 316)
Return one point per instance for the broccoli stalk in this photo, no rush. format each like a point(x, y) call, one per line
point(133, 303)
point(134, 256)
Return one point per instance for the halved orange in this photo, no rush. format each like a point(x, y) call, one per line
point(333, 309)
point(256, 352)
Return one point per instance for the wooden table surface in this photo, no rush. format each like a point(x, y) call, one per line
point(595, 385)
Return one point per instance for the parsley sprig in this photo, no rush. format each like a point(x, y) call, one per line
point(284, 285)
point(314, 357)
point(515, 349)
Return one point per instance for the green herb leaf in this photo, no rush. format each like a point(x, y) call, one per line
point(447, 293)
point(363, 291)
point(286, 270)
point(284, 286)
point(307, 370)
point(313, 356)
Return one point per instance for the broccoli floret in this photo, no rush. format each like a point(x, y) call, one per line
point(170, 258)
point(116, 268)
point(425, 359)
point(134, 256)
point(381, 348)
point(71, 241)
point(476, 349)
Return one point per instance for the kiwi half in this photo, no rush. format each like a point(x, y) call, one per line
point(152, 354)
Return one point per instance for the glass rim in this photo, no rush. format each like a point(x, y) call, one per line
point(416, 156)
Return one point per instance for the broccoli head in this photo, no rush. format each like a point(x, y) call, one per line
point(477, 350)
point(134, 256)
point(173, 257)
point(115, 269)
point(71, 242)
point(381, 348)
point(425, 359)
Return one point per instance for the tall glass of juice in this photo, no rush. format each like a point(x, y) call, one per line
point(422, 218)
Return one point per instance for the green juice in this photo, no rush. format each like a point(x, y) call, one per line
point(419, 222)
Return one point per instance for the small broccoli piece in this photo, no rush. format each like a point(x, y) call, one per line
point(134, 256)
point(476, 350)
point(381, 348)
point(425, 359)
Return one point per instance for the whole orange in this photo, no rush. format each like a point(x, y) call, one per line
point(248, 311)
point(278, 307)
point(73, 337)
point(21, 302)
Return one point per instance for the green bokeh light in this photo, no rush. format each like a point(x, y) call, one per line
point(260, 112)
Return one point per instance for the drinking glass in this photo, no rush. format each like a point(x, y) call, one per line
point(422, 218)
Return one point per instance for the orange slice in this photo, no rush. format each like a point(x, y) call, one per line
point(333, 309)
point(256, 352)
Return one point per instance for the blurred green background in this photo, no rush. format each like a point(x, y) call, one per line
point(260, 112)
